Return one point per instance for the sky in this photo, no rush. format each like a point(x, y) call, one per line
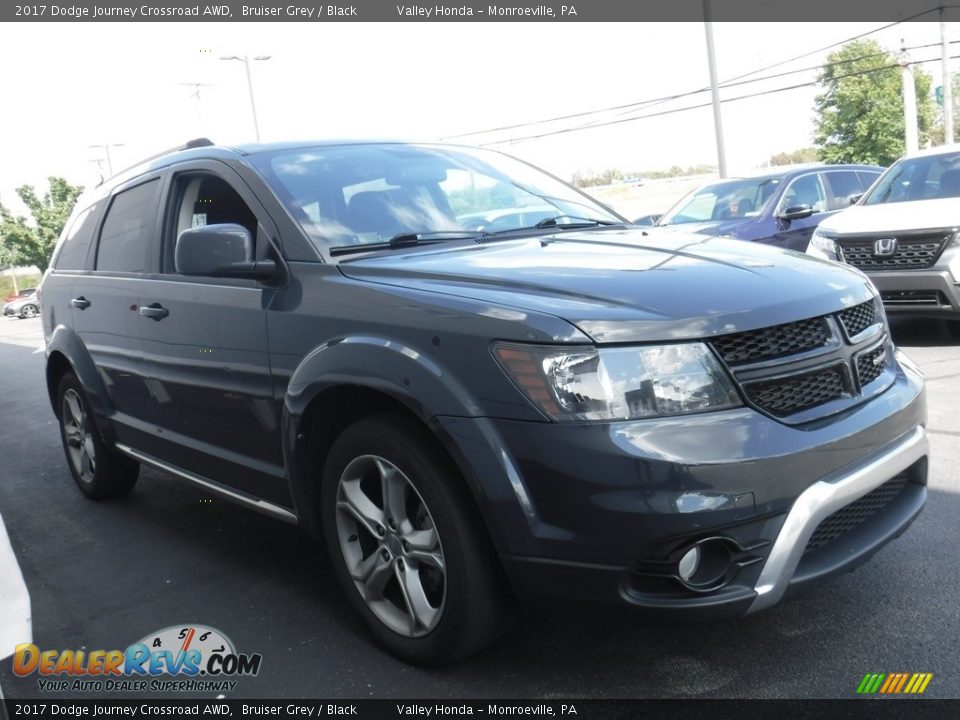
point(69, 86)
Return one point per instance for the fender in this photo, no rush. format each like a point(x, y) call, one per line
point(65, 341)
point(402, 372)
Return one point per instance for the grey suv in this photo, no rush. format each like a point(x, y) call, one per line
point(563, 413)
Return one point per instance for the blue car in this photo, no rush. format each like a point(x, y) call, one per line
point(778, 208)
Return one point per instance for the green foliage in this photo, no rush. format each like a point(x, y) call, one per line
point(803, 155)
point(612, 176)
point(474, 199)
point(860, 112)
point(23, 281)
point(31, 241)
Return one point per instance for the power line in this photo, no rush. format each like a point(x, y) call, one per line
point(701, 105)
point(732, 82)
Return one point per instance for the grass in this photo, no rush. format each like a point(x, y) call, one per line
point(23, 281)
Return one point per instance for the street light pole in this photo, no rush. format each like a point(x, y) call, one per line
point(253, 103)
point(947, 80)
point(909, 102)
point(714, 90)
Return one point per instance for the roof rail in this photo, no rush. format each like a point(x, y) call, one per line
point(189, 145)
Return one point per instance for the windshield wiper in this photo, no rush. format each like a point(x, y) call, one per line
point(407, 239)
point(582, 222)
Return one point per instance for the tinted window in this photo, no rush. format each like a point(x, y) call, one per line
point(72, 254)
point(868, 178)
point(805, 190)
point(126, 230)
point(844, 184)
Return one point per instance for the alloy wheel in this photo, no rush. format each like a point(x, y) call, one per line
point(79, 435)
point(390, 545)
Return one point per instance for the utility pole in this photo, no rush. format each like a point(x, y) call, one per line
point(714, 89)
point(106, 151)
point(196, 94)
point(947, 80)
point(909, 101)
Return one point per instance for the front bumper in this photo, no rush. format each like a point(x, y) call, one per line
point(581, 513)
point(919, 293)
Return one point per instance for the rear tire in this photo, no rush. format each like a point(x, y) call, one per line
point(408, 545)
point(98, 473)
point(29, 311)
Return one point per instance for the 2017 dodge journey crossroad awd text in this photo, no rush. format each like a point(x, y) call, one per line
point(568, 413)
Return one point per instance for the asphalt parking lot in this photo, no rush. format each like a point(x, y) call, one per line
point(104, 575)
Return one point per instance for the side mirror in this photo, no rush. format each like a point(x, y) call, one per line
point(855, 198)
point(796, 212)
point(224, 250)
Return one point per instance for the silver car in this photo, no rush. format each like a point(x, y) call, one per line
point(25, 306)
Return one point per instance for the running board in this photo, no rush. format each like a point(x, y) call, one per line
point(242, 498)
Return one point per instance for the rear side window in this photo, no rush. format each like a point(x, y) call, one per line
point(72, 254)
point(844, 184)
point(126, 230)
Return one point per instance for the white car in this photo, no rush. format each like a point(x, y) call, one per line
point(904, 233)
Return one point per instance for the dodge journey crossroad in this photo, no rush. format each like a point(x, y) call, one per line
point(479, 386)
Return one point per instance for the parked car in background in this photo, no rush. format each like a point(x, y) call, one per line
point(904, 235)
point(779, 208)
point(27, 306)
point(647, 220)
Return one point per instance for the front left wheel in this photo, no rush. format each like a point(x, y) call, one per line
point(98, 473)
point(408, 545)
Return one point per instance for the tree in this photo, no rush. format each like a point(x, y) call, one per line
point(803, 155)
point(860, 112)
point(31, 241)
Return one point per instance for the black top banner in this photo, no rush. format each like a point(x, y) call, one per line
point(483, 11)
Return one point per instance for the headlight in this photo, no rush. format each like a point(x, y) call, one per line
point(823, 246)
point(621, 383)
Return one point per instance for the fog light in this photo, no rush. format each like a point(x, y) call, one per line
point(689, 563)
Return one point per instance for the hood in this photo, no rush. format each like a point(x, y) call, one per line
point(628, 285)
point(731, 226)
point(895, 217)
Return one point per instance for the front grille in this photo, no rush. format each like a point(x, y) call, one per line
point(858, 318)
point(859, 511)
point(790, 395)
point(772, 342)
point(907, 298)
point(870, 365)
point(912, 253)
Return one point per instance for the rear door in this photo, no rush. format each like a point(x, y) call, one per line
point(205, 345)
point(104, 302)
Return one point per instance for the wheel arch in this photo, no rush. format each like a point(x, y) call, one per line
point(342, 382)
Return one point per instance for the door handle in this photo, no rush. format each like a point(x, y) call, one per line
point(80, 303)
point(154, 312)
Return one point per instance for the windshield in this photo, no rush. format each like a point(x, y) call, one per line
point(935, 176)
point(365, 194)
point(723, 200)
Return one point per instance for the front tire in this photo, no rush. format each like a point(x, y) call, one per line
point(407, 543)
point(98, 473)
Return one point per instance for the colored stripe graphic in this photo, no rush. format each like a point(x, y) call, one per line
point(894, 683)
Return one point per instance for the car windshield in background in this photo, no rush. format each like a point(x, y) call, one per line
point(919, 178)
point(723, 200)
point(352, 195)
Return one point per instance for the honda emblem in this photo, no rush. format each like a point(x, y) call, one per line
point(884, 247)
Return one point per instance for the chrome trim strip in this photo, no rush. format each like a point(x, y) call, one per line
point(236, 496)
point(824, 498)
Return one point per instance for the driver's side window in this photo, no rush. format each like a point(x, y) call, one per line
point(804, 190)
point(204, 199)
